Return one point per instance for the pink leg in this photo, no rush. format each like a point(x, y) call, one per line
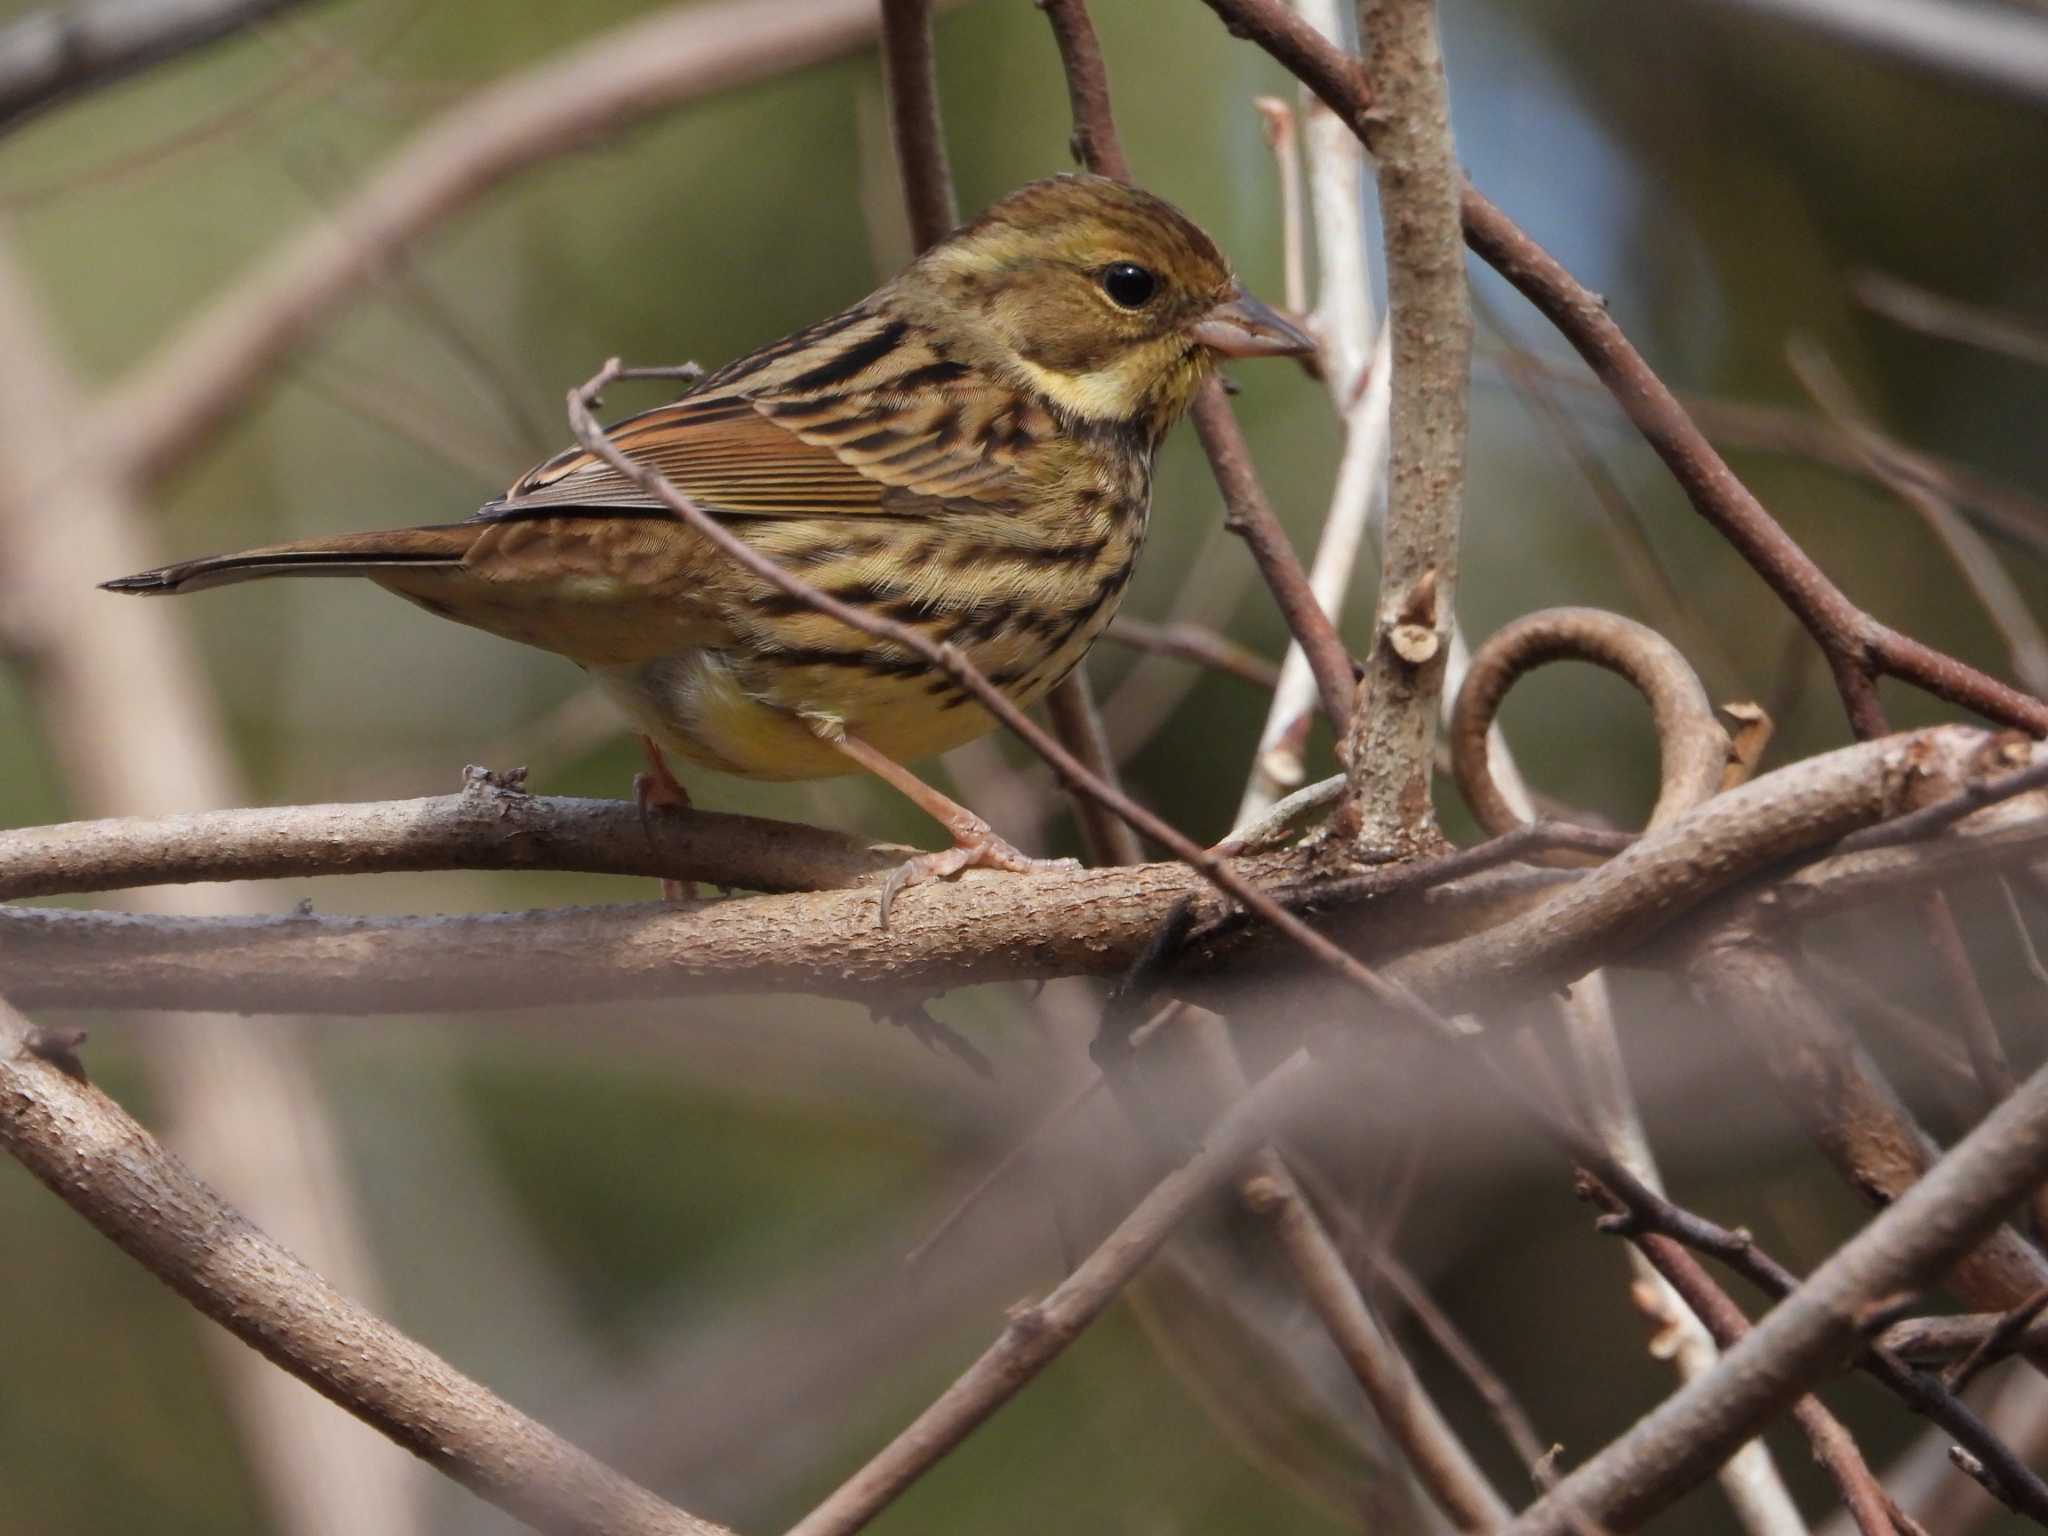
point(658, 789)
point(975, 843)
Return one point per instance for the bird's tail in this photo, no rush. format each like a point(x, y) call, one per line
point(348, 554)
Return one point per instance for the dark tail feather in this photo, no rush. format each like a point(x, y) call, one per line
point(353, 554)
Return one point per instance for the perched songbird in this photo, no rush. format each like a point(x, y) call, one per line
point(968, 450)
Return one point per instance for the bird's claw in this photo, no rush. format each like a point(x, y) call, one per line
point(976, 847)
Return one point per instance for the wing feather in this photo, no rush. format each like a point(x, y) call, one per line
point(861, 415)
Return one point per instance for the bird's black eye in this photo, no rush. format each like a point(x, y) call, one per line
point(1128, 285)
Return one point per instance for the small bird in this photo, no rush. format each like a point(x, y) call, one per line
point(967, 450)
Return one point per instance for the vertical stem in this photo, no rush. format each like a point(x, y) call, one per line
point(1078, 724)
point(1391, 743)
point(913, 86)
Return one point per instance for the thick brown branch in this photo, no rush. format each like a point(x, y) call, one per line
point(1390, 747)
point(116, 1175)
point(485, 827)
point(983, 927)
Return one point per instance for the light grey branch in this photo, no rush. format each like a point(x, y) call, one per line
point(1995, 47)
point(65, 52)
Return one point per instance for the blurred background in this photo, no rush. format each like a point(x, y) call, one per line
point(678, 1233)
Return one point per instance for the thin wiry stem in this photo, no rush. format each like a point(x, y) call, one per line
point(1247, 512)
point(1801, 1339)
point(913, 86)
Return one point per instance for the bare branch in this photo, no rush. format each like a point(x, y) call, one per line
point(60, 54)
point(913, 86)
point(1691, 746)
point(997, 927)
point(1197, 643)
point(1390, 747)
point(1833, 1446)
point(1038, 1331)
point(1411, 1418)
point(1247, 512)
point(116, 1175)
point(1994, 48)
point(1095, 143)
point(1805, 1336)
point(487, 826)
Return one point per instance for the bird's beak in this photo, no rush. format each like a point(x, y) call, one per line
point(1241, 326)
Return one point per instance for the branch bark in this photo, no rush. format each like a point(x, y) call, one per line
point(117, 1176)
point(1390, 747)
point(487, 826)
point(984, 926)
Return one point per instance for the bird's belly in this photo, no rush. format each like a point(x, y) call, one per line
point(763, 710)
point(762, 721)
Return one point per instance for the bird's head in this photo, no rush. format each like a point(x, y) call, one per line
point(1102, 298)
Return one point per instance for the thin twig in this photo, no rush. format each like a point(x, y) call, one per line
point(1996, 1344)
point(1405, 1409)
point(1680, 1442)
point(1935, 314)
point(1199, 644)
point(1354, 359)
point(1247, 511)
point(913, 87)
point(1038, 1332)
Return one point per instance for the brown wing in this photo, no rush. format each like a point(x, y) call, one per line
point(862, 415)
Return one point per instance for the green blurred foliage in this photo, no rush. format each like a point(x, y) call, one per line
point(656, 1167)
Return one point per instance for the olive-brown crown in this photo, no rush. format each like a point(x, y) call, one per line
point(1083, 289)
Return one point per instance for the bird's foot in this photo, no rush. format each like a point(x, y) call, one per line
point(658, 789)
point(975, 846)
